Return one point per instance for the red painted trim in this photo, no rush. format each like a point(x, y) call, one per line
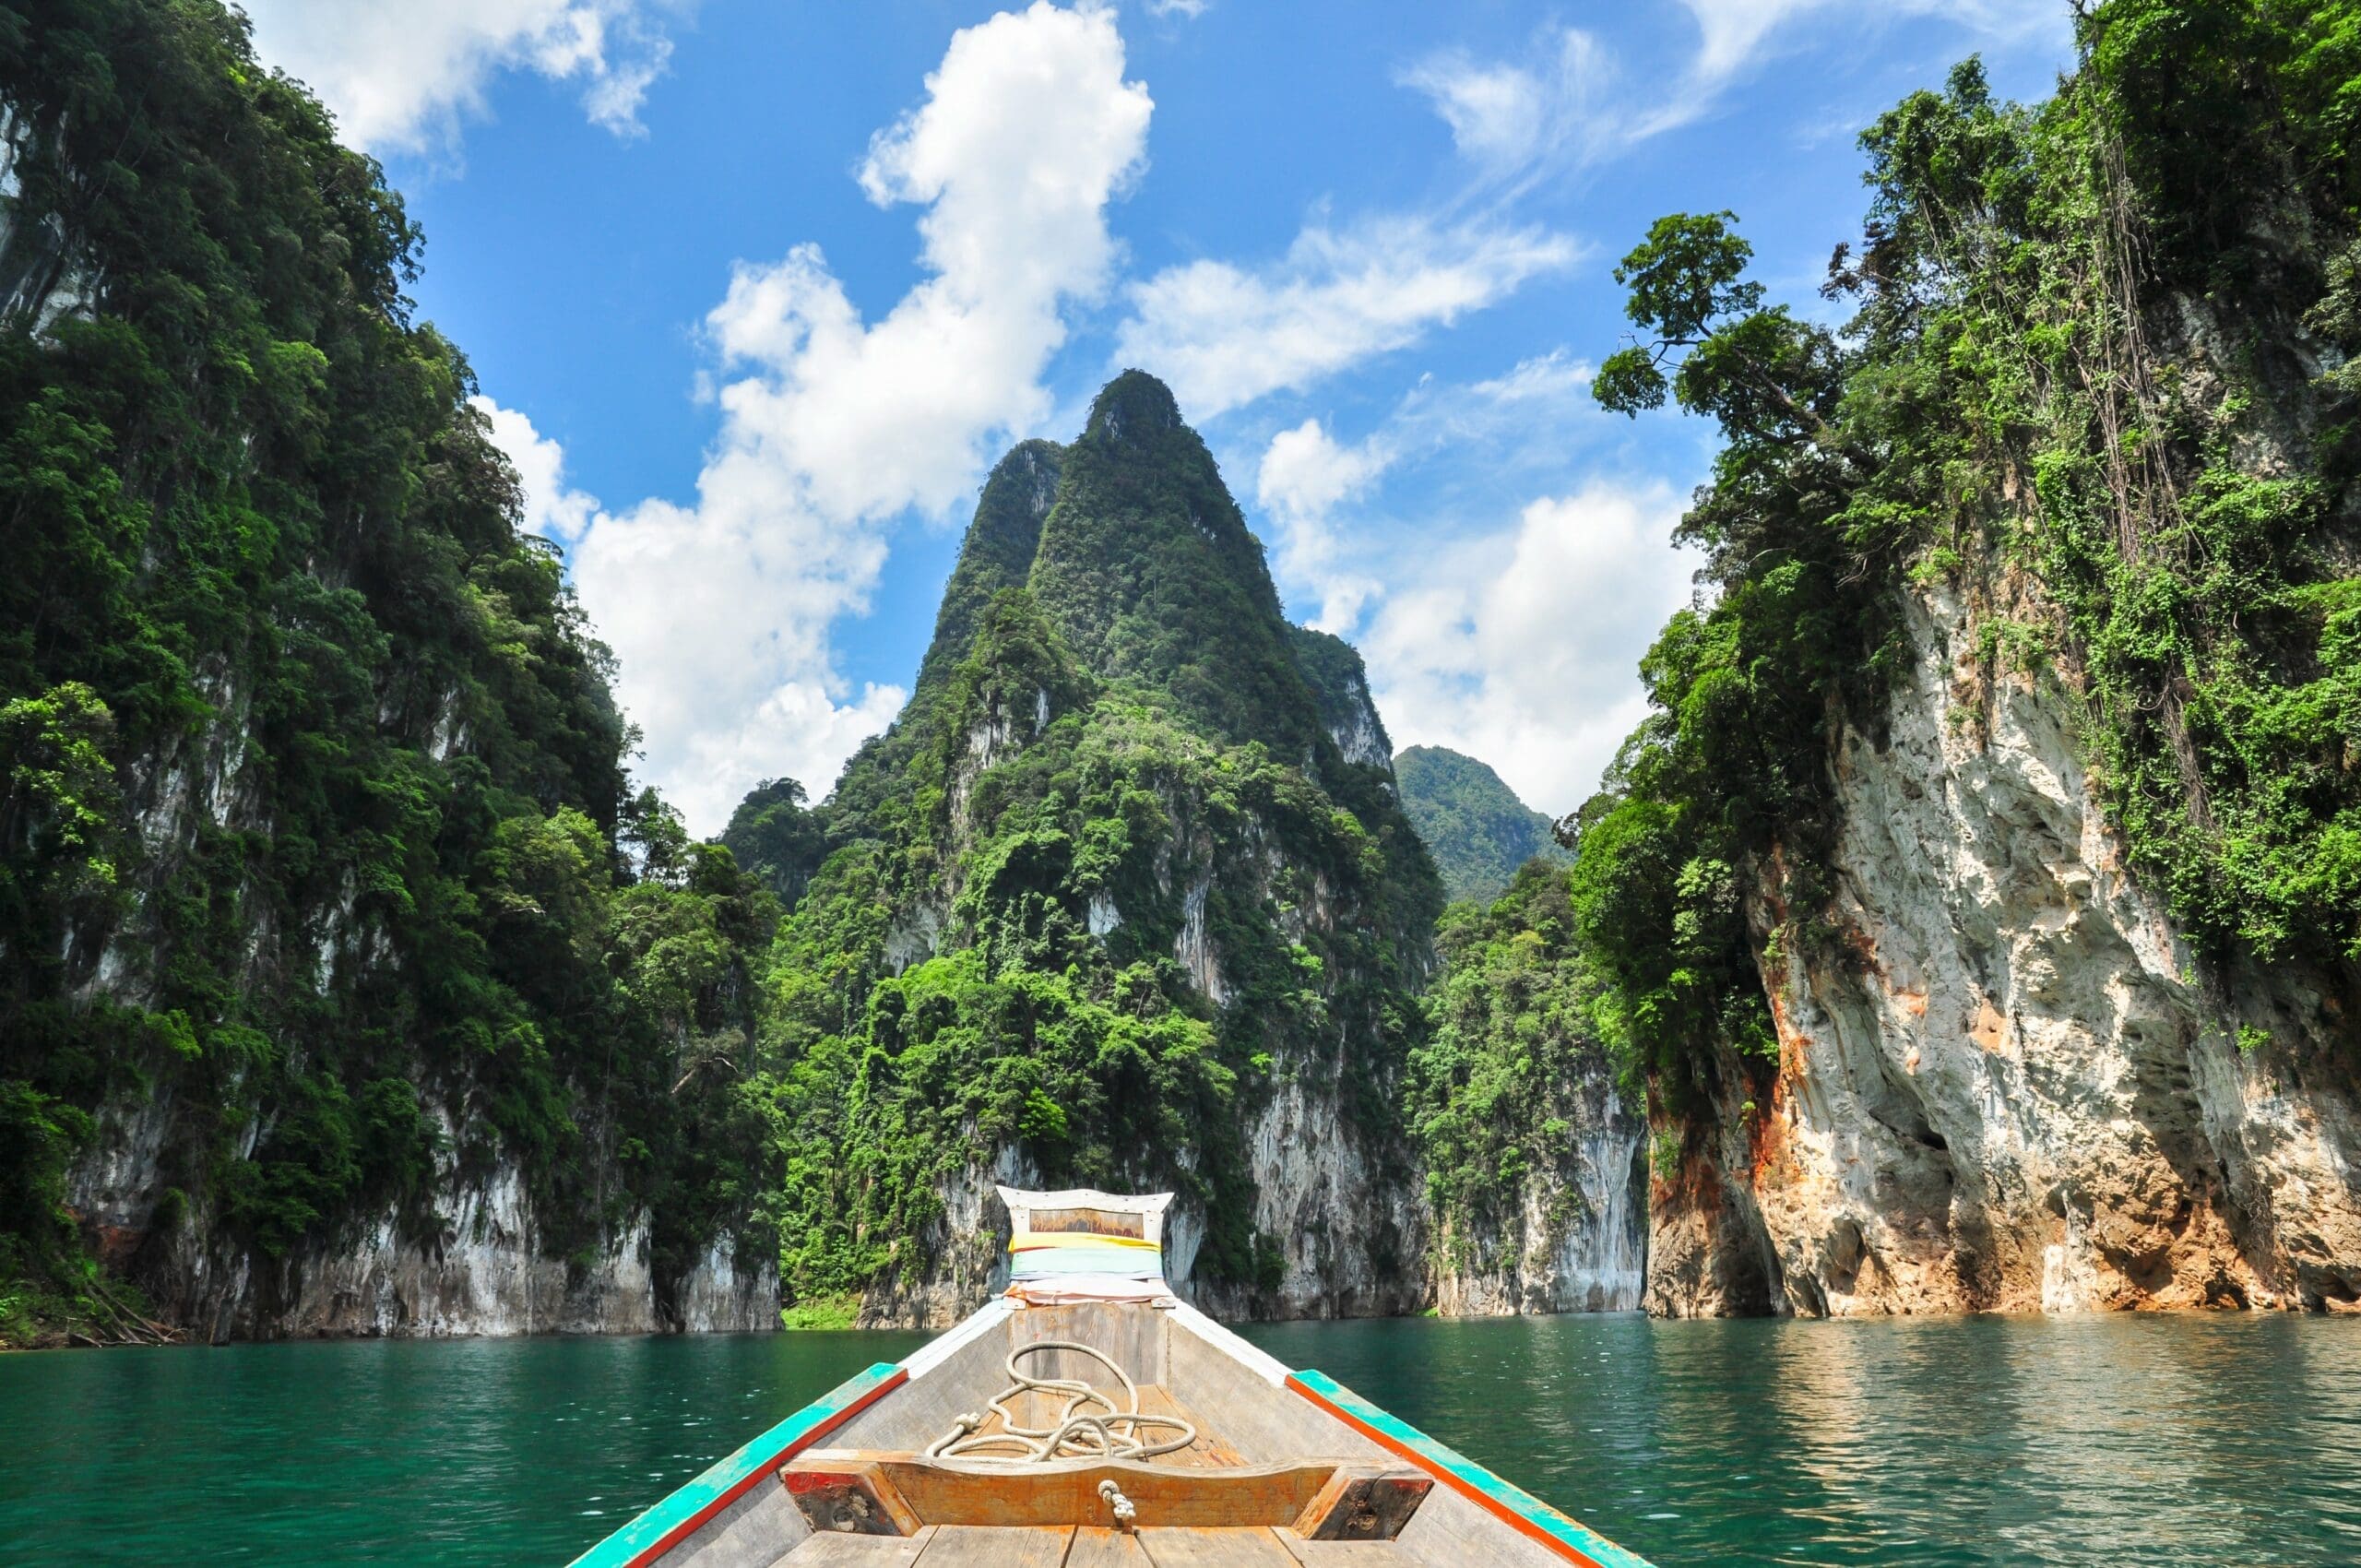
point(768, 1467)
point(1490, 1504)
point(800, 1481)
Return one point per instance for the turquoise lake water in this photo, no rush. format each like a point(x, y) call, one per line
point(2145, 1440)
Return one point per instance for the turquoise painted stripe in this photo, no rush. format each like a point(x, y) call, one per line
point(624, 1547)
point(1591, 1544)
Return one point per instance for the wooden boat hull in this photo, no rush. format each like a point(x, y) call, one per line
point(1286, 1457)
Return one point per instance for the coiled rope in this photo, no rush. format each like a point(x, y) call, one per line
point(1089, 1427)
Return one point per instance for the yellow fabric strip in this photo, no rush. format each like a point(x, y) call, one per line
point(1044, 1244)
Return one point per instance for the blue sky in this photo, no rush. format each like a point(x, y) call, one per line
point(756, 291)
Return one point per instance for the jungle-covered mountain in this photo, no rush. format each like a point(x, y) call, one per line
point(1981, 902)
point(1473, 824)
point(1122, 899)
point(346, 982)
point(1974, 921)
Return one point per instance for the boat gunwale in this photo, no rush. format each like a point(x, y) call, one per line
point(673, 1519)
point(678, 1515)
point(1503, 1499)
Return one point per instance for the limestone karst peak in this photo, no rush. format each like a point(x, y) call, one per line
point(1135, 406)
point(998, 552)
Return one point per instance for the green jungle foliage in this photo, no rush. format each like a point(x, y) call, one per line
point(1497, 1092)
point(777, 838)
point(997, 554)
point(1148, 570)
point(2099, 384)
point(1478, 830)
point(317, 842)
point(1079, 748)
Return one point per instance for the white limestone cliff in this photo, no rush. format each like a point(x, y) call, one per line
point(2014, 1089)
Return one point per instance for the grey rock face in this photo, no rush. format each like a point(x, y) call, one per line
point(1579, 1241)
point(490, 1270)
point(2016, 1091)
point(1348, 1219)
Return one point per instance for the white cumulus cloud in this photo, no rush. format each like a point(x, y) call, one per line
point(553, 508)
point(1315, 490)
point(1221, 335)
point(1305, 472)
point(1514, 641)
point(832, 424)
point(1304, 475)
point(403, 77)
point(1524, 656)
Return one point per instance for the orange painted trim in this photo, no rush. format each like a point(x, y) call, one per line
point(1508, 1514)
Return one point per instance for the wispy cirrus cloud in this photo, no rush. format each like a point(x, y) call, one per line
point(1562, 103)
point(1570, 102)
point(1737, 35)
point(1222, 335)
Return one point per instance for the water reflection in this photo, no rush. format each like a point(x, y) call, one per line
point(1989, 1442)
point(1982, 1442)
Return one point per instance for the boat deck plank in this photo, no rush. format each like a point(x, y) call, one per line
point(858, 1551)
point(1174, 1548)
point(1210, 1451)
point(1097, 1547)
point(1348, 1553)
point(1135, 1340)
point(997, 1546)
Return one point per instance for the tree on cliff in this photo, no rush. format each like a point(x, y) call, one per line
point(2015, 398)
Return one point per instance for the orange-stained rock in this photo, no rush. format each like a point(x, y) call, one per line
point(2007, 1086)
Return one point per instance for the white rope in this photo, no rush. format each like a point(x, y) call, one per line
point(1079, 1432)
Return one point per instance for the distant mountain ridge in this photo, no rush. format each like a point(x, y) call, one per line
point(1473, 824)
